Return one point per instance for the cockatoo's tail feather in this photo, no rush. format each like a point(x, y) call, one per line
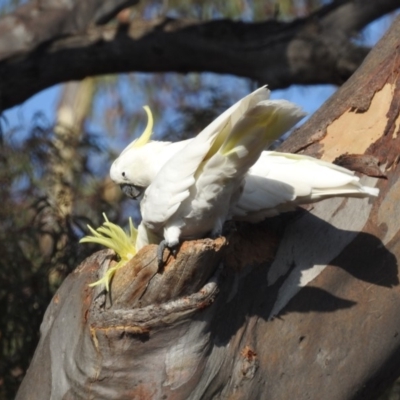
point(279, 182)
point(115, 238)
point(374, 192)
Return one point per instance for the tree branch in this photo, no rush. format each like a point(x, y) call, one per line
point(306, 51)
point(37, 22)
point(352, 16)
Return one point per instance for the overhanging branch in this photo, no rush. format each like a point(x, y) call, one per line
point(307, 51)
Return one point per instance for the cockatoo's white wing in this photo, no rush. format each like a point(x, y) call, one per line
point(261, 198)
point(171, 185)
point(193, 193)
point(140, 162)
point(228, 119)
point(267, 121)
point(219, 178)
point(259, 126)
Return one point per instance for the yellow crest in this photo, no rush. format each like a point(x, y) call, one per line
point(146, 135)
point(115, 238)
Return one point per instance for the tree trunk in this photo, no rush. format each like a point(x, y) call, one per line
point(303, 306)
point(65, 165)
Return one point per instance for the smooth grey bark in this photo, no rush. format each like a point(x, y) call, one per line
point(249, 327)
point(36, 45)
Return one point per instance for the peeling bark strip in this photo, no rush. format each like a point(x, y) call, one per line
point(330, 280)
point(387, 148)
point(363, 111)
point(37, 43)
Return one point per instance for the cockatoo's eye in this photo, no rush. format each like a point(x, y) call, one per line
point(123, 174)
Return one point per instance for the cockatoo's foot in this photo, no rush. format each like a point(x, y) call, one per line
point(160, 251)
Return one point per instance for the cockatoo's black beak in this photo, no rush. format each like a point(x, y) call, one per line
point(132, 191)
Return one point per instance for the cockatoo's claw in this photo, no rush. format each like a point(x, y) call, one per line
point(173, 250)
point(160, 251)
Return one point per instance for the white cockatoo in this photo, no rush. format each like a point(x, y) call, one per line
point(192, 193)
point(194, 185)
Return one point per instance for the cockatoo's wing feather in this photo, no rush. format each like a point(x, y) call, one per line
point(262, 125)
point(220, 178)
point(258, 127)
point(227, 120)
point(171, 185)
point(261, 197)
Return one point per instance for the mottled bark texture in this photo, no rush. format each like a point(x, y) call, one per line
point(303, 306)
point(37, 42)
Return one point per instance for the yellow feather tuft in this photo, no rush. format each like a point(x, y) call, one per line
point(115, 238)
point(146, 135)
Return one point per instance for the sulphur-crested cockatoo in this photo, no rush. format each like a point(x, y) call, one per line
point(191, 195)
point(276, 182)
